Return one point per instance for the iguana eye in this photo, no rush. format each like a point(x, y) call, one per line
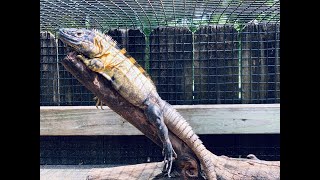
point(79, 34)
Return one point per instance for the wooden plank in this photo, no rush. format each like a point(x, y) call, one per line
point(277, 63)
point(72, 92)
point(68, 172)
point(216, 65)
point(249, 34)
point(137, 46)
point(66, 80)
point(205, 119)
point(120, 36)
point(204, 57)
point(171, 63)
point(273, 62)
point(260, 64)
point(137, 171)
point(49, 94)
point(133, 40)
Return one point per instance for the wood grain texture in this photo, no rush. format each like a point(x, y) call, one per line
point(226, 168)
point(260, 63)
point(138, 171)
point(49, 74)
point(171, 63)
point(216, 68)
point(205, 119)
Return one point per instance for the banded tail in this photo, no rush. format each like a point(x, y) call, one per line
point(181, 128)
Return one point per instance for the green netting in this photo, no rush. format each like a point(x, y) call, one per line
point(148, 14)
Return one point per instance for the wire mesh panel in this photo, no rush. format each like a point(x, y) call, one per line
point(263, 146)
point(49, 91)
point(97, 150)
point(133, 40)
point(171, 63)
point(197, 52)
point(72, 92)
point(58, 86)
point(146, 14)
point(116, 150)
point(62, 150)
point(260, 63)
point(216, 65)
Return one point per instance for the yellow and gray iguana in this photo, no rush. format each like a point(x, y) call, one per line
point(101, 54)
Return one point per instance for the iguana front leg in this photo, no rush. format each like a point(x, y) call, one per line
point(96, 65)
point(155, 116)
point(152, 112)
point(98, 103)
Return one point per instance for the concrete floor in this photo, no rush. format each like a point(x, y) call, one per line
point(67, 172)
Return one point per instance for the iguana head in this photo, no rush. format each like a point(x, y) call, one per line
point(90, 43)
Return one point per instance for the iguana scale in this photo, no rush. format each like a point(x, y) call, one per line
point(101, 54)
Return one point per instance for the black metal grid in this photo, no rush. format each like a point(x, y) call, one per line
point(260, 63)
point(117, 150)
point(214, 65)
point(197, 52)
point(48, 70)
point(171, 63)
point(57, 86)
point(144, 14)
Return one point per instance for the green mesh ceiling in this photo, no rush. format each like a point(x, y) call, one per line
point(147, 14)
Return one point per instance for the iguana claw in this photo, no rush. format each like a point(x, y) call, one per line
point(99, 102)
point(169, 155)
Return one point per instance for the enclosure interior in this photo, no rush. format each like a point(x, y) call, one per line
point(197, 52)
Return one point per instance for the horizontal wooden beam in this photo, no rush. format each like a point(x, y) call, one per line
point(205, 119)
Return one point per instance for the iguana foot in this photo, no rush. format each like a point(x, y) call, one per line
point(94, 64)
point(169, 155)
point(155, 117)
point(99, 102)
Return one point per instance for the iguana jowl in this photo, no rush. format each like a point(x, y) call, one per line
point(101, 54)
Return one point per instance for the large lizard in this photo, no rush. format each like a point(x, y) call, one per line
point(100, 53)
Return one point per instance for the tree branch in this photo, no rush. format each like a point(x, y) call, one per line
point(186, 165)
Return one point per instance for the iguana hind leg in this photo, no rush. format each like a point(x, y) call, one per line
point(155, 116)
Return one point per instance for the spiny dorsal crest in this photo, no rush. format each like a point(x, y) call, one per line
point(123, 51)
point(106, 37)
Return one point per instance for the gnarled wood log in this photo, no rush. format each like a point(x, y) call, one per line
point(186, 165)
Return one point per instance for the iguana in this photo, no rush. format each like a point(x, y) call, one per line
point(100, 53)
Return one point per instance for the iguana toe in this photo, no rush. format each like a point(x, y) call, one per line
point(99, 102)
point(169, 155)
